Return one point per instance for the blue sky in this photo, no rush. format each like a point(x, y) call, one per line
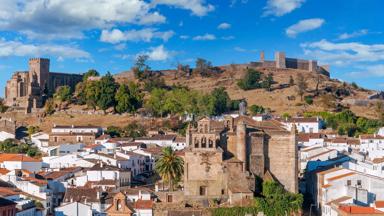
point(108, 35)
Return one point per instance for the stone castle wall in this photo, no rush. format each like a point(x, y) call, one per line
point(281, 61)
point(26, 89)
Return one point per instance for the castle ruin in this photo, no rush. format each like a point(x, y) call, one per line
point(27, 90)
point(282, 62)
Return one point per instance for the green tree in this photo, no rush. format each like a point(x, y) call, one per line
point(107, 87)
point(170, 167)
point(141, 68)
point(92, 93)
point(301, 85)
point(251, 80)
point(308, 99)
point(203, 67)
point(134, 130)
point(291, 81)
point(49, 107)
point(156, 102)
point(63, 93)
point(32, 130)
point(267, 82)
point(255, 109)
point(90, 73)
point(122, 99)
point(114, 131)
point(221, 100)
point(3, 107)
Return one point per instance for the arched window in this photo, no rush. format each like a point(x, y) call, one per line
point(196, 143)
point(118, 205)
point(210, 143)
point(203, 142)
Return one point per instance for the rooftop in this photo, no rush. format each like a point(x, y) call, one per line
point(17, 157)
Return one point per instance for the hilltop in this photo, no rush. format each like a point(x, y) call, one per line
point(278, 99)
point(282, 99)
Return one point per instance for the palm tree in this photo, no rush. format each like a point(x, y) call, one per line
point(170, 167)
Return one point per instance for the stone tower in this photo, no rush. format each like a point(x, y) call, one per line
point(262, 56)
point(280, 60)
point(241, 131)
point(39, 68)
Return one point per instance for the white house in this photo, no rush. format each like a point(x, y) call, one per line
point(372, 145)
point(65, 161)
point(41, 140)
point(19, 162)
point(315, 153)
point(76, 129)
point(310, 139)
point(177, 143)
point(4, 135)
point(353, 187)
point(303, 125)
point(73, 209)
point(102, 172)
point(343, 144)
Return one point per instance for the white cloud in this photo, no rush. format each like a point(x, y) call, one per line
point(146, 35)
point(67, 19)
point(224, 26)
point(158, 53)
point(234, 2)
point(281, 7)
point(184, 37)
point(205, 37)
point(228, 37)
point(304, 26)
point(353, 34)
point(17, 48)
point(344, 53)
point(239, 49)
point(197, 7)
point(369, 71)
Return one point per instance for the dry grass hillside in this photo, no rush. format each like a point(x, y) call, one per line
point(276, 100)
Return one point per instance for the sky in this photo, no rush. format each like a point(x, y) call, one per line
point(107, 35)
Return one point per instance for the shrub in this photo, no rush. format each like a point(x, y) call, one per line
point(308, 99)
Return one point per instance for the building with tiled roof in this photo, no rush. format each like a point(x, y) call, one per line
point(345, 192)
point(19, 161)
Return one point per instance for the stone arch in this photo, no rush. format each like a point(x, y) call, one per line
point(210, 143)
point(196, 142)
point(204, 142)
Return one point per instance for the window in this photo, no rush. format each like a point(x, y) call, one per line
point(358, 182)
point(169, 198)
point(349, 182)
point(210, 144)
point(203, 190)
point(203, 142)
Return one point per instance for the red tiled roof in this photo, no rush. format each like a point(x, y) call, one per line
point(143, 204)
point(378, 160)
point(371, 136)
point(4, 171)
point(341, 176)
point(17, 157)
point(379, 204)
point(359, 210)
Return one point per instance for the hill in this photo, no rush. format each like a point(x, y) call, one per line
point(280, 99)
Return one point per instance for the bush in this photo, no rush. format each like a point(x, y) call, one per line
point(308, 100)
point(251, 80)
point(256, 109)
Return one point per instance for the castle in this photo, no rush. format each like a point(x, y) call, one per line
point(282, 62)
point(27, 90)
point(226, 158)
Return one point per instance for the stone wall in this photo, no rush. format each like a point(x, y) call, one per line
point(26, 88)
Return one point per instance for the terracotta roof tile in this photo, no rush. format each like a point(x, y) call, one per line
point(341, 176)
point(143, 204)
point(379, 204)
point(17, 157)
point(359, 210)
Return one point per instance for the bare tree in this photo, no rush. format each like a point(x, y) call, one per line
point(301, 85)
